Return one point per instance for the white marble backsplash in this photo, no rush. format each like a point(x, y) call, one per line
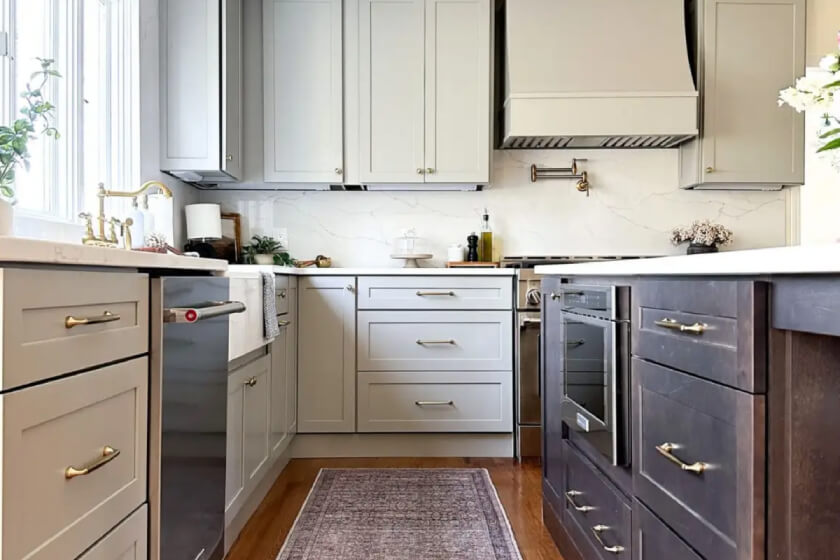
point(632, 207)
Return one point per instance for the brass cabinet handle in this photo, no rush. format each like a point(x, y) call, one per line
point(597, 530)
point(696, 328)
point(424, 342)
point(338, 171)
point(420, 171)
point(555, 296)
point(251, 382)
point(229, 157)
point(281, 294)
point(666, 450)
point(434, 403)
point(710, 169)
point(283, 323)
point(107, 317)
point(570, 497)
point(422, 293)
point(575, 343)
point(108, 455)
point(430, 170)
point(350, 288)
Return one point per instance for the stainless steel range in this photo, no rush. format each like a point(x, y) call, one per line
point(528, 369)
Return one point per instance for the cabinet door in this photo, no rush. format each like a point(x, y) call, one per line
point(278, 436)
point(752, 49)
point(292, 360)
point(457, 132)
point(327, 359)
point(232, 87)
point(234, 479)
point(303, 91)
point(552, 348)
point(391, 91)
point(255, 421)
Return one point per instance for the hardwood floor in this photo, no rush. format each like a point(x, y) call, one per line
point(518, 486)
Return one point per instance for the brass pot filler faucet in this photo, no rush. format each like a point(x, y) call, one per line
point(111, 240)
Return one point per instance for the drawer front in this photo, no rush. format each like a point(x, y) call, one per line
point(699, 460)
point(49, 429)
point(596, 508)
point(435, 402)
point(41, 310)
point(128, 541)
point(435, 340)
point(653, 540)
point(435, 292)
point(281, 289)
point(717, 330)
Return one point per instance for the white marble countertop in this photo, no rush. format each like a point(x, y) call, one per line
point(816, 259)
point(361, 271)
point(36, 251)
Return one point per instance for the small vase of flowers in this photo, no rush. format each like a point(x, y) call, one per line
point(702, 237)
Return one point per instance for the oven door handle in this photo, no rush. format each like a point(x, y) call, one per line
point(202, 311)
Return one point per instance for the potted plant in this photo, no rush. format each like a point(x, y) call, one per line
point(14, 139)
point(702, 237)
point(266, 250)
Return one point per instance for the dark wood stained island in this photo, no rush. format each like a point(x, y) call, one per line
point(748, 403)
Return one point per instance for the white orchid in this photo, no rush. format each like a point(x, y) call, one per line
point(830, 63)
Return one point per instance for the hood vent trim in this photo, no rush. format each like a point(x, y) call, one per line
point(594, 142)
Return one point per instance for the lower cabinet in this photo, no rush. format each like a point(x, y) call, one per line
point(292, 359)
point(653, 540)
point(128, 541)
point(278, 418)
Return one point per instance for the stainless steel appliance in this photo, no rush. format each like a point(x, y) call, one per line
point(189, 411)
point(528, 369)
point(596, 366)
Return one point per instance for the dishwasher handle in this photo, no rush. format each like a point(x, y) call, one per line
point(202, 311)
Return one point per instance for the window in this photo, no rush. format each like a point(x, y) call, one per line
point(95, 47)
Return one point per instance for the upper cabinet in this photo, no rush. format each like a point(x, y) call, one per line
point(748, 50)
point(302, 81)
point(424, 91)
point(201, 87)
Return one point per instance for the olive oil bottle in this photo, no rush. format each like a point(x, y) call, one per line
point(485, 246)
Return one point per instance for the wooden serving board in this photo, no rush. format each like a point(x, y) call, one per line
point(467, 264)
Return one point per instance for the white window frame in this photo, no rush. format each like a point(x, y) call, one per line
point(67, 195)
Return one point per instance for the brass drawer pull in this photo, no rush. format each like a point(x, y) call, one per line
point(421, 293)
point(434, 403)
point(570, 497)
point(666, 450)
point(108, 455)
point(597, 530)
point(696, 328)
point(425, 342)
point(251, 382)
point(281, 294)
point(283, 323)
point(107, 317)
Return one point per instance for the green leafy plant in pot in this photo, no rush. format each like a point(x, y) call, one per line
point(38, 115)
point(266, 250)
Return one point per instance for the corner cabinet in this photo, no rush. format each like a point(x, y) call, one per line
point(303, 65)
point(748, 50)
point(424, 91)
point(201, 89)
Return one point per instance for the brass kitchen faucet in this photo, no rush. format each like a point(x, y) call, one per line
point(111, 240)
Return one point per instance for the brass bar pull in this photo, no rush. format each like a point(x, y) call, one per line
point(251, 382)
point(283, 323)
point(108, 455)
point(434, 403)
point(425, 342)
point(666, 450)
point(449, 293)
point(570, 497)
point(597, 530)
point(696, 328)
point(107, 317)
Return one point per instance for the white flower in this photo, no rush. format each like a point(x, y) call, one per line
point(830, 63)
point(795, 98)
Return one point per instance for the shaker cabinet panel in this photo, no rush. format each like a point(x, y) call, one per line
point(255, 443)
point(391, 91)
point(292, 359)
point(458, 87)
point(303, 66)
point(278, 432)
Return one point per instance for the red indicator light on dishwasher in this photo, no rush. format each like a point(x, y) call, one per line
point(191, 316)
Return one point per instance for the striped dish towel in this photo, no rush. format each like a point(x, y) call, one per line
point(270, 328)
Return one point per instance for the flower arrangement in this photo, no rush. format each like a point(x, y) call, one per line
point(820, 91)
point(702, 236)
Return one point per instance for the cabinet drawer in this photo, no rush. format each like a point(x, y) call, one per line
point(128, 541)
point(49, 428)
point(595, 508)
point(717, 330)
point(246, 328)
point(281, 289)
point(435, 292)
point(435, 340)
point(41, 338)
point(435, 402)
point(653, 540)
point(699, 460)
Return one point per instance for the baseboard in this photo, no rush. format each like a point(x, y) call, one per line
point(234, 526)
point(311, 446)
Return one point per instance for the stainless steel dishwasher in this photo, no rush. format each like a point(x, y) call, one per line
point(188, 415)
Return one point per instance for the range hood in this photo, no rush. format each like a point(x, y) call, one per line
point(597, 74)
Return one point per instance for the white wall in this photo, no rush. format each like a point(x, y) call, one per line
point(633, 205)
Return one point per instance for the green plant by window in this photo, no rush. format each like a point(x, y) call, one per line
point(14, 139)
point(265, 245)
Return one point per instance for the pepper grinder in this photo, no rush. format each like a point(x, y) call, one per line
point(472, 247)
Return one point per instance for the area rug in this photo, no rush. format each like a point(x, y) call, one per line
point(401, 514)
